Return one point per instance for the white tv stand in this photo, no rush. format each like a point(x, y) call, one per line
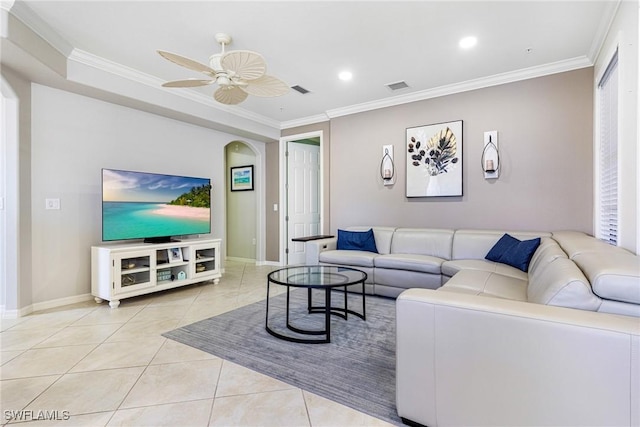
point(121, 271)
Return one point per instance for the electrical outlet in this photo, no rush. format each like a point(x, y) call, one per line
point(52, 204)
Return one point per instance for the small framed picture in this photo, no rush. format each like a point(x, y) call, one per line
point(242, 178)
point(175, 254)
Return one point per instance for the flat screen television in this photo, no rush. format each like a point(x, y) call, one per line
point(153, 207)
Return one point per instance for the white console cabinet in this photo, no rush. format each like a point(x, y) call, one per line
point(121, 271)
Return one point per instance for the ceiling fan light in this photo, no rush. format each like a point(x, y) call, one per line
point(230, 95)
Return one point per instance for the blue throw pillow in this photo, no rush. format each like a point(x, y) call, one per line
point(357, 241)
point(520, 255)
point(503, 245)
point(511, 251)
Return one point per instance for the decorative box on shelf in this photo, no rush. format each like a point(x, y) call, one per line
point(163, 275)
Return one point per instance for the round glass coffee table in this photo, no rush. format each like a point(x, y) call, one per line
point(323, 277)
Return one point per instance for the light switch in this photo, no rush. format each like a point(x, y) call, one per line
point(52, 204)
point(1, 203)
point(275, 207)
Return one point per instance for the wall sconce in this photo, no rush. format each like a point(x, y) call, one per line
point(387, 168)
point(490, 160)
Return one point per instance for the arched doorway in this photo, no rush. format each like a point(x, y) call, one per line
point(241, 202)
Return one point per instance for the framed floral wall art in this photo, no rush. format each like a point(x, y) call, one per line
point(434, 160)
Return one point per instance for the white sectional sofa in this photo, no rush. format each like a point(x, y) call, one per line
point(483, 343)
point(561, 272)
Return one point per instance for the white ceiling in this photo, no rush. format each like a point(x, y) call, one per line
point(307, 43)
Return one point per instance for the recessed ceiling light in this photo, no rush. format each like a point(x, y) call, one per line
point(468, 42)
point(345, 75)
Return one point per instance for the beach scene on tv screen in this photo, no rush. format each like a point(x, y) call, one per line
point(142, 205)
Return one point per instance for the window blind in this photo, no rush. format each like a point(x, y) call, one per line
point(607, 227)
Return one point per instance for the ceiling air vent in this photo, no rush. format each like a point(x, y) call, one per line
point(300, 89)
point(397, 85)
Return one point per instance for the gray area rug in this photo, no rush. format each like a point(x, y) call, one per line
point(357, 369)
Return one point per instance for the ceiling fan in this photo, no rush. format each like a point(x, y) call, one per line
point(238, 73)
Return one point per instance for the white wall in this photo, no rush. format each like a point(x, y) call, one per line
point(73, 137)
point(624, 34)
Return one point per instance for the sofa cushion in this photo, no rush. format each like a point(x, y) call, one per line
point(357, 241)
point(612, 275)
point(619, 307)
point(411, 262)
point(422, 241)
point(487, 283)
point(563, 284)
point(406, 279)
point(450, 268)
point(576, 242)
point(546, 253)
point(348, 258)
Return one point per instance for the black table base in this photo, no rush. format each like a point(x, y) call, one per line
point(324, 335)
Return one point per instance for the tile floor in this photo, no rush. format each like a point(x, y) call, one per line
point(109, 367)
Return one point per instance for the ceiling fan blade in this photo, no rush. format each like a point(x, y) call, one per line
point(266, 86)
point(229, 95)
point(188, 83)
point(245, 64)
point(188, 63)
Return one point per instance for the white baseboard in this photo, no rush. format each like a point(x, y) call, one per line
point(272, 263)
point(39, 306)
point(253, 261)
point(14, 314)
point(45, 305)
point(245, 260)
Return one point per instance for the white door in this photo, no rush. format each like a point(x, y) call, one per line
point(303, 197)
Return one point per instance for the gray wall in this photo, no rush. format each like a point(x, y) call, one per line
point(73, 137)
point(545, 128)
point(273, 185)
point(19, 253)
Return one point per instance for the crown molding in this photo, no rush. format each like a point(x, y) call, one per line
point(495, 80)
point(23, 13)
point(318, 118)
point(91, 60)
point(611, 9)
point(27, 16)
